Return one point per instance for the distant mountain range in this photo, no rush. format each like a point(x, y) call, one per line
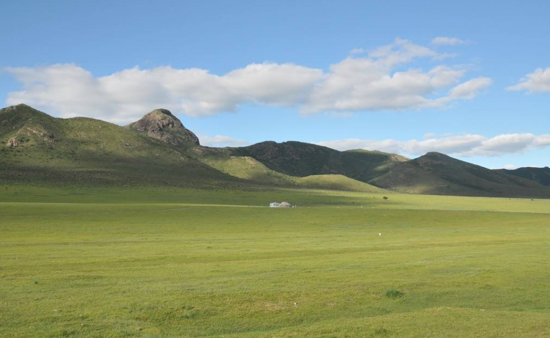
point(158, 150)
point(539, 175)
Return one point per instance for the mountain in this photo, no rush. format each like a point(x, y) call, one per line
point(158, 150)
point(433, 173)
point(304, 159)
point(439, 174)
point(248, 168)
point(160, 124)
point(539, 175)
point(41, 149)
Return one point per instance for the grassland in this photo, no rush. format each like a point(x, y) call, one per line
point(197, 263)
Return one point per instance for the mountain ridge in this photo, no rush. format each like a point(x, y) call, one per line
point(539, 175)
point(159, 149)
point(439, 174)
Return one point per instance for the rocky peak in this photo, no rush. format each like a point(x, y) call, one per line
point(162, 125)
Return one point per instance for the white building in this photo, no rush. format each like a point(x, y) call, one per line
point(280, 205)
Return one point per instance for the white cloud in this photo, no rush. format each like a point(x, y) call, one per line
point(460, 145)
point(447, 41)
point(513, 167)
point(357, 51)
point(542, 141)
point(372, 82)
point(382, 79)
point(126, 95)
point(222, 141)
point(538, 81)
point(470, 89)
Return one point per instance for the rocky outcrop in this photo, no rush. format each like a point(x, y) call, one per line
point(13, 142)
point(27, 126)
point(160, 124)
point(40, 133)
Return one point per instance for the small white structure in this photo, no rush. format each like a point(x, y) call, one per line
point(280, 205)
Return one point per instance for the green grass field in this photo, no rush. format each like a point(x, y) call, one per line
point(197, 263)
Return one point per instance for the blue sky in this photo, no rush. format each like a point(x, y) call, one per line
point(345, 74)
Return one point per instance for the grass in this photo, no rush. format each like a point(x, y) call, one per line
point(394, 293)
point(250, 169)
point(197, 263)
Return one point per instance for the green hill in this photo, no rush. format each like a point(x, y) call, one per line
point(250, 169)
point(158, 150)
point(40, 149)
point(439, 174)
point(305, 159)
point(432, 173)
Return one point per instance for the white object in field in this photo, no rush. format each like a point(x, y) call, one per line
point(379, 234)
point(280, 205)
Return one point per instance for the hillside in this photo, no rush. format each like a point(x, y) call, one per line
point(158, 150)
point(250, 169)
point(539, 175)
point(40, 149)
point(305, 159)
point(439, 174)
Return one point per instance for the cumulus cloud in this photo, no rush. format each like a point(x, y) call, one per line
point(381, 79)
point(460, 145)
point(447, 41)
point(538, 81)
point(126, 95)
point(371, 82)
point(222, 141)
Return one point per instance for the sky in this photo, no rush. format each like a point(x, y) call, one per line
point(467, 78)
